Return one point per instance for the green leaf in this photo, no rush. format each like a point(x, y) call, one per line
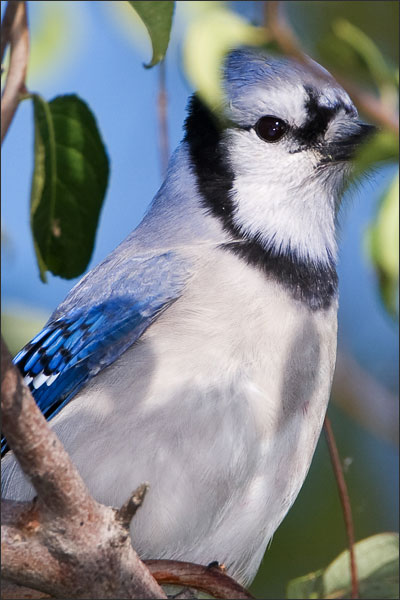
point(157, 17)
point(208, 39)
point(308, 586)
point(383, 243)
point(378, 572)
point(68, 185)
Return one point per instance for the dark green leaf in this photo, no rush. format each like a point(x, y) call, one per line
point(157, 17)
point(68, 186)
point(378, 572)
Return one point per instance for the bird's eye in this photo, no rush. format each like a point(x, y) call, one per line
point(270, 129)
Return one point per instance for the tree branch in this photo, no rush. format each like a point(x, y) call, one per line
point(345, 502)
point(14, 28)
point(13, 591)
point(64, 543)
point(37, 448)
point(280, 31)
point(126, 513)
point(8, 19)
point(210, 579)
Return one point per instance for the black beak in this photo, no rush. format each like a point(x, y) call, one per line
point(345, 147)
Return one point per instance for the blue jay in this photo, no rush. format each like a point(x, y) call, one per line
point(199, 355)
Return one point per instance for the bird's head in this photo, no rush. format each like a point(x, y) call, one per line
point(273, 172)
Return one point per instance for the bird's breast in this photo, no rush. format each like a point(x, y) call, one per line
point(247, 371)
point(218, 406)
point(233, 328)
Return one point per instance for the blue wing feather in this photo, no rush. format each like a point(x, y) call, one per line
point(84, 336)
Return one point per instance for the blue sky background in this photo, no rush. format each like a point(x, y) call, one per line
point(97, 57)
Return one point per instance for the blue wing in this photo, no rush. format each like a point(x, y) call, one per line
point(95, 325)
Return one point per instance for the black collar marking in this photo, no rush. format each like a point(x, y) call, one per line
point(314, 284)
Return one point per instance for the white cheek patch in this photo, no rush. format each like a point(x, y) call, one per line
point(280, 201)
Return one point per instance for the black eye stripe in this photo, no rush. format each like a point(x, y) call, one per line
point(318, 118)
point(270, 128)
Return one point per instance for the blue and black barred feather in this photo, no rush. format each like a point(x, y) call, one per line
point(71, 350)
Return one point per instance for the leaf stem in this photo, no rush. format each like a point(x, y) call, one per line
point(345, 502)
point(26, 96)
point(163, 118)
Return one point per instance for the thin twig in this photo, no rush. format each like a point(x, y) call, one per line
point(17, 34)
point(162, 118)
point(365, 399)
point(128, 510)
point(8, 19)
point(345, 502)
point(207, 579)
point(279, 29)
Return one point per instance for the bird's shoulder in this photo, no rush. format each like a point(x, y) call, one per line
point(104, 314)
